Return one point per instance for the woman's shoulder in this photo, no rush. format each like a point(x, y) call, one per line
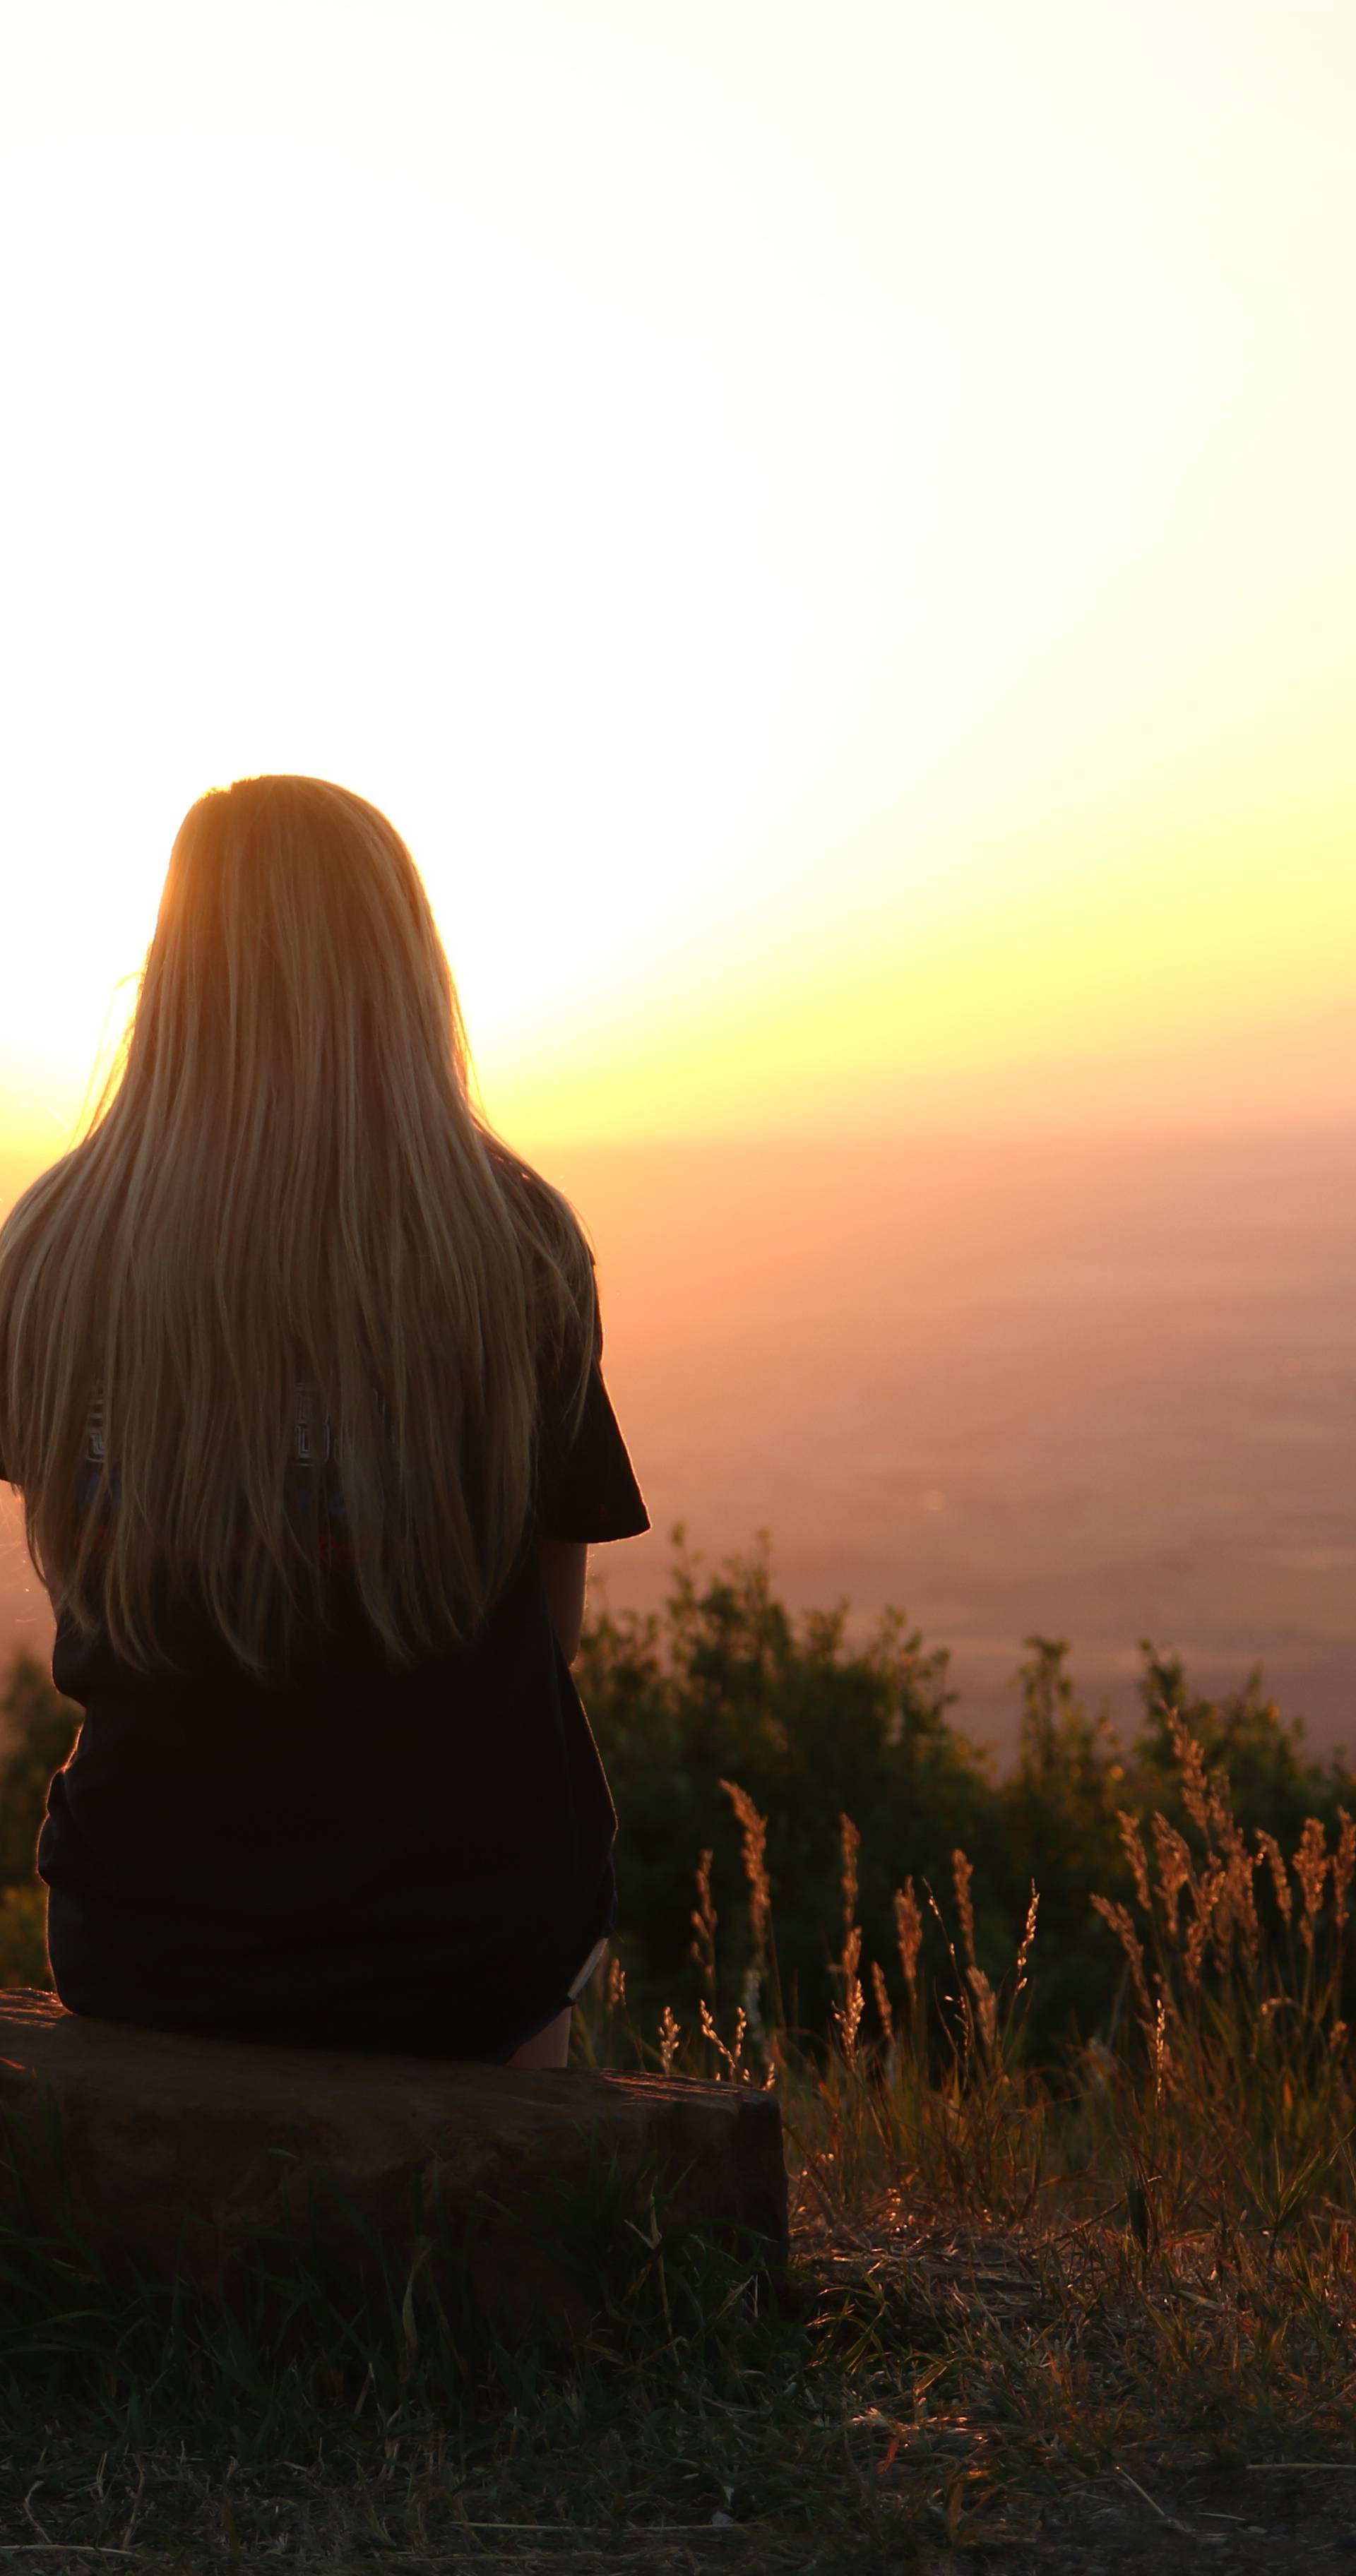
point(559, 1256)
point(530, 1190)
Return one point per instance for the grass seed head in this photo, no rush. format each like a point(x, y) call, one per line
point(1220, 1807)
point(1119, 1918)
point(851, 1846)
point(986, 2008)
point(1195, 1786)
point(1160, 2055)
point(1205, 1897)
point(908, 1933)
point(1239, 1899)
point(1270, 1851)
point(1028, 1937)
point(1311, 1864)
point(1135, 1854)
point(964, 1905)
point(703, 1949)
point(713, 2039)
point(753, 1827)
point(848, 2014)
point(1175, 1869)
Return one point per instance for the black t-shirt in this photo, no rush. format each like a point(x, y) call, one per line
point(356, 1857)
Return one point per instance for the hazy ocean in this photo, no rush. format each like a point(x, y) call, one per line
point(1103, 1390)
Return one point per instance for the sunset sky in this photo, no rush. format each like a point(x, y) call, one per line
point(830, 529)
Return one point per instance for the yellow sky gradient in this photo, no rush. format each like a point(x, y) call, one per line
point(829, 528)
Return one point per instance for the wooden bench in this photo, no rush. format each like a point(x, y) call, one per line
point(187, 2152)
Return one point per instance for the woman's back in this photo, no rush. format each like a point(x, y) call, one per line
point(334, 1780)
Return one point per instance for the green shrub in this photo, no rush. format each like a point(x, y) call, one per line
point(725, 1688)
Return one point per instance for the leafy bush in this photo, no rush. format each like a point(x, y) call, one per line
point(726, 1689)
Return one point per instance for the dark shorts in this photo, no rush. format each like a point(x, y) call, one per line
point(423, 1989)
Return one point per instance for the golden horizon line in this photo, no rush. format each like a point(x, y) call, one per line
point(20, 1163)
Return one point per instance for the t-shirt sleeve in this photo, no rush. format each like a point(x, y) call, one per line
point(586, 1486)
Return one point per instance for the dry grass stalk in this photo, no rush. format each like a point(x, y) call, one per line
point(670, 2033)
point(882, 1994)
point(1160, 2055)
point(1118, 1916)
point(703, 1949)
point(1135, 1854)
point(1205, 1898)
point(852, 1842)
point(1220, 1810)
point(616, 1984)
point(1195, 1786)
point(731, 2056)
point(986, 2008)
point(963, 1874)
point(909, 1935)
point(1311, 1865)
point(753, 1828)
point(1239, 1904)
point(1174, 1869)
point(1270, 1850)
point(1028, 1937)
point(848, 2014)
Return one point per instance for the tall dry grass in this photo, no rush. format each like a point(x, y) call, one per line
point(1220, 2097)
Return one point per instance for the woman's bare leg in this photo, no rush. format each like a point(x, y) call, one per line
point(549, 2047)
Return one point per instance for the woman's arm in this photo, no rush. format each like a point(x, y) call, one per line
point(564, 1571)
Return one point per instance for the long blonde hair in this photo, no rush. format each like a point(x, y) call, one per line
point(289, 1195)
